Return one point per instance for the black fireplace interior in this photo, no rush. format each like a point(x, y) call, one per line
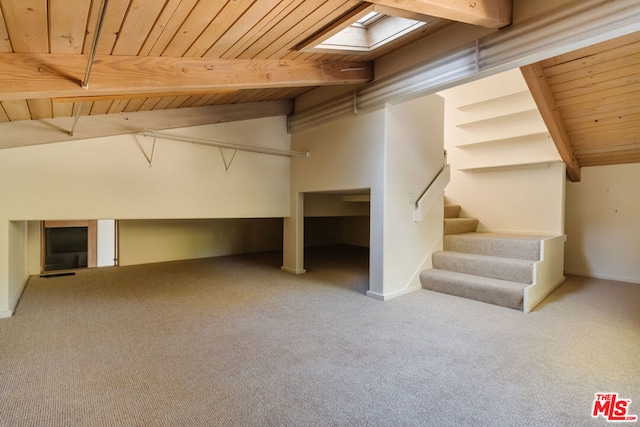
point(66, 248)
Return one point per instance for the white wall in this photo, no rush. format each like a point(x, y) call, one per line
point(505, 169)
point(106, 242)
point(17, 265)
point(395, 152)
point(414, 154)
point(603, 223)
point(147, 241)
point(110, 178)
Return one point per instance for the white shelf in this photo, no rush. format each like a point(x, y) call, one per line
point(496, 168)
point(494, 120)
point(488, 103)
point(518, 138)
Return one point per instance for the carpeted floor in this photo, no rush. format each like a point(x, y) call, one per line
point(235, 341)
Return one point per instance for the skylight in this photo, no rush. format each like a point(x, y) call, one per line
point(363, 33)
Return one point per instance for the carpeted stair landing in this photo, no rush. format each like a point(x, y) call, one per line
point(493, 268)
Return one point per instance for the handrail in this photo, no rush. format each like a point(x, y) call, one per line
point(444, 164)
point(435, 187)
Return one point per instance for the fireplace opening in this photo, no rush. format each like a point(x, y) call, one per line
point(66, 248)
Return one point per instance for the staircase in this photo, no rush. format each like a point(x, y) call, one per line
point(493, 268)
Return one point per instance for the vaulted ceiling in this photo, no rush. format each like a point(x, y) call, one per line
point(171, 55)
point(156, 55)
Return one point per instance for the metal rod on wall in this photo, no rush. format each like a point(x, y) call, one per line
point(75, 119)
point(224, 144)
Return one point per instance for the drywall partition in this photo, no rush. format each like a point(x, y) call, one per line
point(414, 155)
point(17, 265)
point(603, 223)
point(346, 155)
point(505, 169)
point(395, 152)
point(111, 178)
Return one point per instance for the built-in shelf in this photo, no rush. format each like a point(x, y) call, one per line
point(496, 120)
point(496, 168)
point(518, 139)
point(504, 99)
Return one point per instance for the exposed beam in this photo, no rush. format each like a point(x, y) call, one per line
point(573, 26)
point(485, 13)
point(537, 82)
point(41, 75)
point(98, 98)
point(34, 132)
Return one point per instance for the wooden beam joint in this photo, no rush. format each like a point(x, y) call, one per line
point(485, 13)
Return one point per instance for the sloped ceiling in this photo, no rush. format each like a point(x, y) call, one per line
point(158, 55)
point(226, 58)
point(590, 100)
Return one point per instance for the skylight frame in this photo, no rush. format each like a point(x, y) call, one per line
point(365, 31)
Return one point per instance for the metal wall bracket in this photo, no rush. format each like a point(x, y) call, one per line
point(144, 153)
point(227, 163)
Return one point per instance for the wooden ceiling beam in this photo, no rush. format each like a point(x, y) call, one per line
point(485, 13)
point(34, 132)
point(127, 97)
point(539, 88)
point(43, 75)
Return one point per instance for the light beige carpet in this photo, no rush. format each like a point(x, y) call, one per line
point(235, 341)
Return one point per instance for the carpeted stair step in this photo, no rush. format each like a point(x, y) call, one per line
point(510, 269)
point(495, 244)
point(459, 225)
point(492, 291)
point(451, 211)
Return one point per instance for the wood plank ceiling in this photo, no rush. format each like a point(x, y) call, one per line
point(189, 46)
point(590, 101)
point(170, 54)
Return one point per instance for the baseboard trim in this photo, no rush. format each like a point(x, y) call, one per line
point(293, 270)
point(387, 297)
point(13, 304)
point(634, 280)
